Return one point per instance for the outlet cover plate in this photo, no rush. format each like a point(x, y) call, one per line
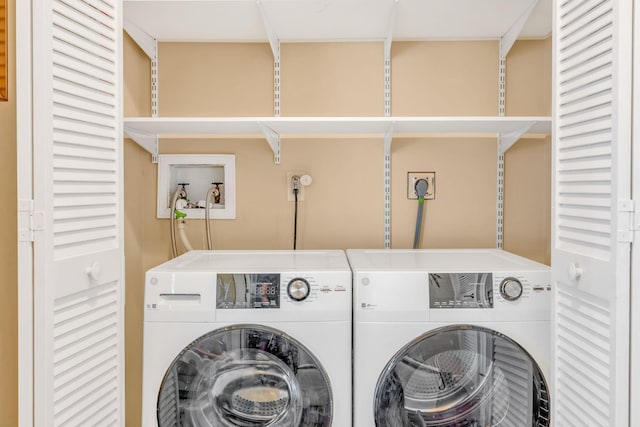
point(290, 196)
point(412, 177)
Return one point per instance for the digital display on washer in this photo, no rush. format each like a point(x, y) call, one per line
point(238, 290)
point(460, 290)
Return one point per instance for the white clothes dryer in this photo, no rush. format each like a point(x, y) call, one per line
point(248, 338)
point(450, 338)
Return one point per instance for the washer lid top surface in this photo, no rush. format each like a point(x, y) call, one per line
point(258, 261)
point(462, 375)
point(442, 260)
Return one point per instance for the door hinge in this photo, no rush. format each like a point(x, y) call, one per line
point(626, 221)
point(29, 220)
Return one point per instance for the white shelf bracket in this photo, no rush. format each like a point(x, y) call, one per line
point(274, 41)
point(273, 139)
point(147, 141)
point(506, 140)
point(145, 41)
point(388, 137)
point(502, 84)
point(510, 37)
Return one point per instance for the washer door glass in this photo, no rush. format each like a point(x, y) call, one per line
point(245, 375)
point(462, 376)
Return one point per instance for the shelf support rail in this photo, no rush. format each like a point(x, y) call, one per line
point(507, 140)
point(274, 42)
point(273, 139)
point(388, 137)
point(149, 46)
point(154, 83)
point(502, 82)
point(147, 141)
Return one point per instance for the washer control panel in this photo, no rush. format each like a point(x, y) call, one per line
point(274, 290)
point(238, 291)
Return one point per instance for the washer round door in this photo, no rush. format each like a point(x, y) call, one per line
point(245, 375)
point(462, 376)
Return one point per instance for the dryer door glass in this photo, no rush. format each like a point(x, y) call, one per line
point(245, 375)
point(462, 376)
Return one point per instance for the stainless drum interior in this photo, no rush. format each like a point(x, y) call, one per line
point(247, 376)
point(461, 376)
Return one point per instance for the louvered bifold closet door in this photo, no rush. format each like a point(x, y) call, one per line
point(591, 248)
point(78, 251)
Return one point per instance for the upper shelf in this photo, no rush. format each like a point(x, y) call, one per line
point(146, 130)
point(336, 20)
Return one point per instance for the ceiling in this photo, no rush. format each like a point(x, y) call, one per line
point(335, 20)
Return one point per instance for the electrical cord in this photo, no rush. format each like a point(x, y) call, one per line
point(295, 219)
point(207, 217)
point(421, 186)
point(295, 184)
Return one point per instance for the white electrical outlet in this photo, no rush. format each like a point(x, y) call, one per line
point(412, 177)
point(305, 180)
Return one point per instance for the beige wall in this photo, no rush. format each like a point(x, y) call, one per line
point(343, 208)
point(8, 244)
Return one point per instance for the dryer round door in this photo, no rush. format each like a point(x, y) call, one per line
point(245, 375)
point(462, 376)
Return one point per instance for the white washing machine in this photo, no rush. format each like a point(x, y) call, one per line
point(248, 338)
point(450, 338)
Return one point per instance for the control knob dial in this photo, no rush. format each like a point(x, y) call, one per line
point(511, 289)
point(298, 289)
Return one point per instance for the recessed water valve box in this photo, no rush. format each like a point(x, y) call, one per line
point(413, 177)
point(197, 173)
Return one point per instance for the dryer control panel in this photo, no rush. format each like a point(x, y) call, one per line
point(460, 290)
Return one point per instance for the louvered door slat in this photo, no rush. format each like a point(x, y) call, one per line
point(584, 128)
point(82, 20)
point(77, 129)
point(98, 153)
point(65, 23)
point(586, 16)
point(66, 49)
point(84, 141)
point(76, 17)
point(101, 12)
point(591, 175)
point(83, 68)
point(62, 108)
point(83, 104)
point(72, 39)
point(67, 125)
point(83, 80)
point(584, 80)
point(66, 87)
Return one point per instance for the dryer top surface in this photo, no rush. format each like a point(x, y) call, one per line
point(442, 260)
